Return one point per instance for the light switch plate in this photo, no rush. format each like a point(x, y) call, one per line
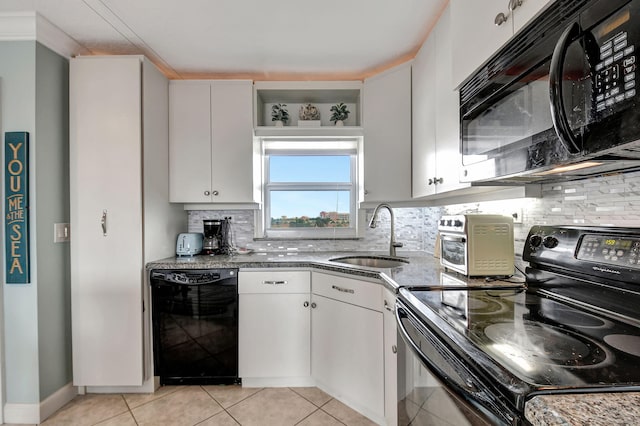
point(61, 232)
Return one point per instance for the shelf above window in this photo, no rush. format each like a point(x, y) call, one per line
point(321, 94)
point(295, 131)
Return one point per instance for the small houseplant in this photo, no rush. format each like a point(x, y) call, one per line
point(279, 114)
point(339, 113)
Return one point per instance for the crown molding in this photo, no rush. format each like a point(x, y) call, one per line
point(16, 26)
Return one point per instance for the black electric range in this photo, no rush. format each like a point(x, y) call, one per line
point(572, 326)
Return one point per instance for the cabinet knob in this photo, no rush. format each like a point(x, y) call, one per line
point(305, 304)
point(207, 193)
point(501, 18)
point(313, 305)
point(215, 193)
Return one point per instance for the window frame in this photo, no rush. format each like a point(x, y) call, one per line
point(333, 146)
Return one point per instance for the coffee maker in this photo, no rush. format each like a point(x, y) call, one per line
point(216, 236)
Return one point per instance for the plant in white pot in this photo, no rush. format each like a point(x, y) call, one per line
point(279, 114)
point(339, 113)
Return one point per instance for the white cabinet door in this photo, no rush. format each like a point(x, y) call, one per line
point(232, 138)
point(447, 112)
point(387, 136)
point(190, 153)
point(347, 358)
point(211, 141)
point(527, 10)
point(477, 37)
point(106, 183)
point(423, 100)
point(390, 359)
point(274, 336)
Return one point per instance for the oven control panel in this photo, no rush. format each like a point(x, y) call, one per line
point(610, 249)
point(608, 252)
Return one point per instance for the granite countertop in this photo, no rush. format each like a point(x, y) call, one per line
point(422, 269)
point(567, 409)
point(593, 409)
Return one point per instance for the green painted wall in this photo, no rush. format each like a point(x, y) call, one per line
point(36, 316)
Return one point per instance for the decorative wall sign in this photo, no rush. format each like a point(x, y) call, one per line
point(16, 207)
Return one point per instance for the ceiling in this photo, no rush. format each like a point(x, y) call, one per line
point(257, 39)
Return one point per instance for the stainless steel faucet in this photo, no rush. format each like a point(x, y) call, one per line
point(372, 224)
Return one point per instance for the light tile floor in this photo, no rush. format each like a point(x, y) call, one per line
point(209, 406)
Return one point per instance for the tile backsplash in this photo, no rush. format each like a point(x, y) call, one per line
point(609, 200)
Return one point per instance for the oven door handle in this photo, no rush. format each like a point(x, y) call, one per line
point(466, 387)
point(453, 238)
point(556, 70)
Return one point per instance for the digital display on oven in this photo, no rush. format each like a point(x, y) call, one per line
point(614, 250)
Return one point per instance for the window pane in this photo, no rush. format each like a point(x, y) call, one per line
point(309, 209)
point(309, 168)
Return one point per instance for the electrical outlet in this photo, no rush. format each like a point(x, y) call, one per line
point(61, 232)
point(517, 216)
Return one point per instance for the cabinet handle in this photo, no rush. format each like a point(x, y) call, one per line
point(207, 193)
point(342, 289)
point(313, 305)
point(394, 349)
point(305, 304)
point(274, 282)
point(514, 4)
point(501, 18)
point(438, 180)
point(430, 181)
point(103, 222)
point(387, 306)
point(215, 193)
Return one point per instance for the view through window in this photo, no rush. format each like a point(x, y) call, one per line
point(310, 192)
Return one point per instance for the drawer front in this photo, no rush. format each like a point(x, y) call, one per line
point(257, 282)
point(360, 293)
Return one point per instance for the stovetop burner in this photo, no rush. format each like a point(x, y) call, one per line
point(531, 343)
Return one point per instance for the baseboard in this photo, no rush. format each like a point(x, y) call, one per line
point(37, 413)
point(57, 400)
point(21, 413)
point(277, 382)
point(149, 386)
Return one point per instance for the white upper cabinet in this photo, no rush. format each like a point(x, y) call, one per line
point(387, 136)
point(211, 141)
point(436, 159)
point(477, 36)
point(424, 119)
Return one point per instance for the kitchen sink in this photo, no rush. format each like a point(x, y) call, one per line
point(372, 261)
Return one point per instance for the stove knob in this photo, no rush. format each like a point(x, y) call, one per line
point(457, 223)
point(442, 222)
point(535, 241)
point(550, 242)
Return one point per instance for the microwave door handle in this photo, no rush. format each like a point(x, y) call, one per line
point(558, 115)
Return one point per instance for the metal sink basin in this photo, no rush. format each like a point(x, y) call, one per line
point(372, 261)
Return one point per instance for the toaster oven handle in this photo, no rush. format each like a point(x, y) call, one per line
point(558, 116)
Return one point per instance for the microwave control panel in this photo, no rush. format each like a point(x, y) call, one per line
point(615, 74)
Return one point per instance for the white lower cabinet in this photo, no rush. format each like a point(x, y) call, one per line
point(274, 328)
point(347, 342)
point(301, 328)
point(390, 359)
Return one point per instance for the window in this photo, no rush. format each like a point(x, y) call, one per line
point(310, 189)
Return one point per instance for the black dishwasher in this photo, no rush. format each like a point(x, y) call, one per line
point(195, 326)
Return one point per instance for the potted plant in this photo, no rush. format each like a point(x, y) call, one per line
point(339, 114)
point(279, 114)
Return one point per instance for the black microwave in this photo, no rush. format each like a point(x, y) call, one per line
point(559, 101)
